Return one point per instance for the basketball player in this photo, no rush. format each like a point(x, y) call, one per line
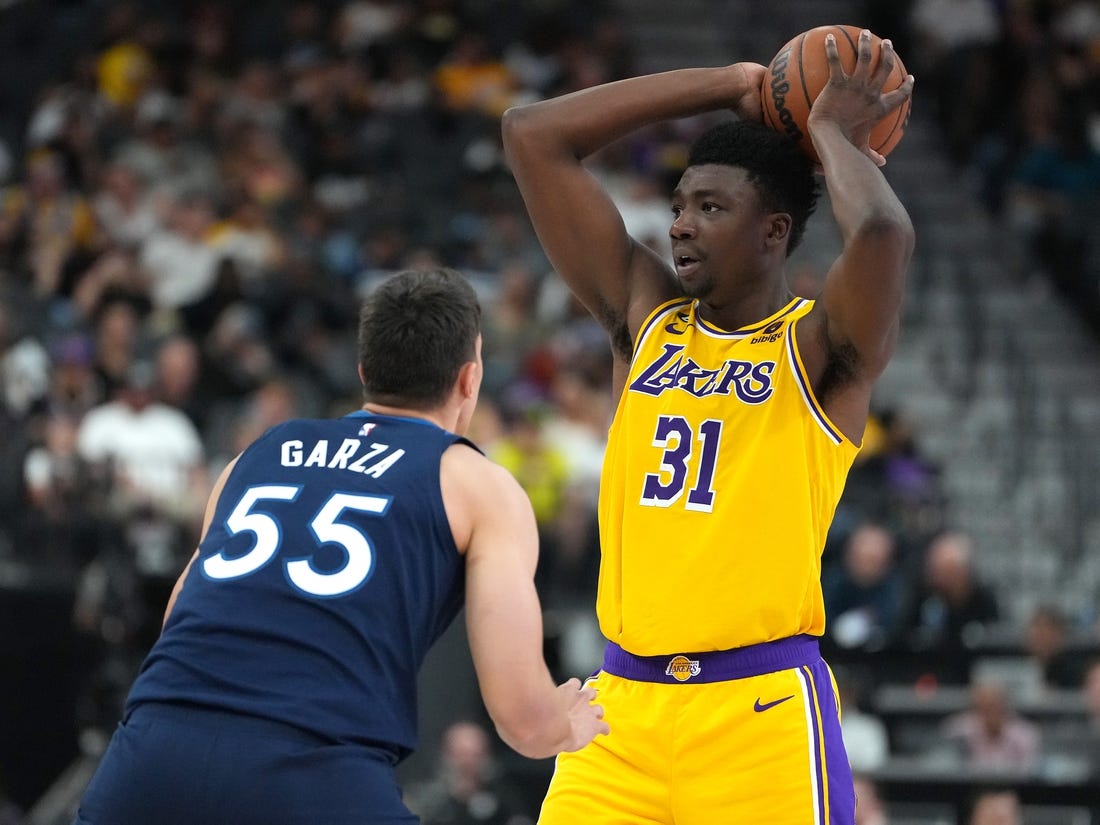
point(740, 410)
point(335, 552)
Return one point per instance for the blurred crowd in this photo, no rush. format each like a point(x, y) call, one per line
point(1016, 89)
point(192, 206)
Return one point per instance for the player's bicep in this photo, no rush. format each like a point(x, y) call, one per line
point(862, 295)
point(577, 222)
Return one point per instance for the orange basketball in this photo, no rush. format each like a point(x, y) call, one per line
point(800, 70)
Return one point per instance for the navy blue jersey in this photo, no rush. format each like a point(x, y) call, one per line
point(326, 574)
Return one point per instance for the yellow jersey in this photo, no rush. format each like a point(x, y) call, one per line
point(721, 477)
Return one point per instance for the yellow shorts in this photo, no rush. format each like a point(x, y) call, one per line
point(688, 747)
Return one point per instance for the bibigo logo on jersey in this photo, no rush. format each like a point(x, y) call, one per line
point(681, 668)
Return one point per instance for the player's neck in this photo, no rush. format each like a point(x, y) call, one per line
point(745, 309)
point(439, 417)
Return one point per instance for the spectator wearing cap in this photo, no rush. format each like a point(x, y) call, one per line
point(74, 388)
point(150, 453)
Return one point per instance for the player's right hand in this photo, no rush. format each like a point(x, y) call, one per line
point(585, 716)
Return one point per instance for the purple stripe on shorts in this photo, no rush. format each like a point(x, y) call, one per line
point(816, 756)
point(834, 777)
point(713, 666)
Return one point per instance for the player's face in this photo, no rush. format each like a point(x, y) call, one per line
point(719, 230)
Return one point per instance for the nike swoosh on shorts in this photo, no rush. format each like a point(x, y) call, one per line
point(760, 707)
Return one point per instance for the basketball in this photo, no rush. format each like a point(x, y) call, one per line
point(800, 70)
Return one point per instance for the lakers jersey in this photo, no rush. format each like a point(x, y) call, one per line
point(721, 477)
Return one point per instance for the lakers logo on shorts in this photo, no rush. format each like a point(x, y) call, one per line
point(681, 668)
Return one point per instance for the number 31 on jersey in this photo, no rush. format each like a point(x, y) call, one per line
point(676, 436)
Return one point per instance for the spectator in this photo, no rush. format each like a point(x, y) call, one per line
point(996, 808)
point(1052, 200)
point(866, 740)
point(177, 380)
point(74, 388)
point(24, 371)
point(151, 452)
point(256, 99)
point(160, 153)
point(468, 789)
point(61, 525)
point(513, 334)
point(470, 78)
point(123, 207)
point(894, 483)
point(249, 238)
point(1045, 639)
point(955, 49)
point(179, 261)
point(117, 333)
point(236, 355)
point(258, 167)
point(951, 608)
point(321, 128)
point(46, 225)
point(361, 24)
point(869, 807)
point(125, 66)
point(578, 429)
point(1091, 692)
point(993, 737)
point(271, 403)
point(541, 468)
point(864, 593)
point(1090, 736)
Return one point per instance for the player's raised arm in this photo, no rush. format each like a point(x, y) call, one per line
point(616, 278)
point(853, 332)
point(495, 525)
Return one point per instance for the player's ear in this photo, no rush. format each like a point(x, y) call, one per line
point(469, 379)
point(779, 228)
point(362, 380)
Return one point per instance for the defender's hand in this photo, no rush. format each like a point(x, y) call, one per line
point(585, 718)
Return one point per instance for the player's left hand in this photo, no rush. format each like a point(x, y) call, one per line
point(855, 102)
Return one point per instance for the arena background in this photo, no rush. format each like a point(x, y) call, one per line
point(195, 195)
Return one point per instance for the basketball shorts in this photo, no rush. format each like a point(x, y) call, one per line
point(750, 735)
point(179, 766)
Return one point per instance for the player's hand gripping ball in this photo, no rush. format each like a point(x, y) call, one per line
point(800, 70)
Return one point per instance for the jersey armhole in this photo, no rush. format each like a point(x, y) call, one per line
point(656, 315)
point(832, 432)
